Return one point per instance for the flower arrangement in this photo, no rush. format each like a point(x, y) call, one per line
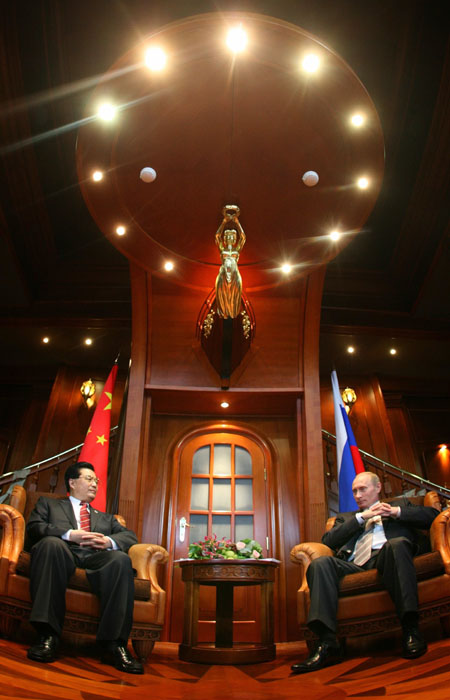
point(212, 548)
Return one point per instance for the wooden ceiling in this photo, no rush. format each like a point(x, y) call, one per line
point(58, 270)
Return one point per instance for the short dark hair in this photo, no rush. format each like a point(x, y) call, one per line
point(73, 472)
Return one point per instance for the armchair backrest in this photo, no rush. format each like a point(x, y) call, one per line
point(431, 499)
point(24, 501)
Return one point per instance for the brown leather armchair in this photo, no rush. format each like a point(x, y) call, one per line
point(82, 607)
point(365, 607)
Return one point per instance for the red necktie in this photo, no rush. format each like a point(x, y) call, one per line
point(85, 517)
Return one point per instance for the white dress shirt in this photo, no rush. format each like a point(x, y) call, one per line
point(379, 537)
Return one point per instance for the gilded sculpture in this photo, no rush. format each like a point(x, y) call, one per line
point(230, 242)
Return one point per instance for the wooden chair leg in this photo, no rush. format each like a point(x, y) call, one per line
point(9, 626)
point(445, 625)
point(143, 648)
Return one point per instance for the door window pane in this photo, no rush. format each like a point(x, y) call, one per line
point(242, 461)
point(200, 494)
point(244, 494)
point(222, 459)
point(200, 461)
point(221, 494)
point(243, 525)
point(221, 526)
point(199, 527)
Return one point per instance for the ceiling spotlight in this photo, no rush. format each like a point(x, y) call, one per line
point(351, 349)
point(310, 178)
point(97, 176)
point(237, 39)
point(155, 58)
point(147, 174)
point(393, 351)
point(88, 341)
point(311, 63)
point(357, 120)
point(363, 183)
point(107, 112)
point(46, 339)
point(168, 266)
point(335, 235)
point(286, 268)
point(225, 404)
point(120, 230)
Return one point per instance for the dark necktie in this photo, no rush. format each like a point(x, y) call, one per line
point(85, 517)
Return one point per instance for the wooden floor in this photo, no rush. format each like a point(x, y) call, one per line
point(366, 673)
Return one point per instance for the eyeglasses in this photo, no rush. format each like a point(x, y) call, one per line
point(89, 479)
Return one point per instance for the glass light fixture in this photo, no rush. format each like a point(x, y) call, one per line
point(286, 268)
point(335, 235)
point(88, 341)
point(168, 266)
point(351, 349)
point(357, 120)
point(393, 351)
point(121, 230)
point(363, 183)
point(225, 404)
point(46, 339)
point(97, 175)
point(87, 390)
point(349, 398)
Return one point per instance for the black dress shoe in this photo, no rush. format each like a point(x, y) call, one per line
point(118, 656)
point(413, 643)
point(45, 649)
point(325, 655)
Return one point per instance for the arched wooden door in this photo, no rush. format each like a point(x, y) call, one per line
point(222, 490)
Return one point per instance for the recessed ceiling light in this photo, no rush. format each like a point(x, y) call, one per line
point(311, 63)
point(237, 39)
point(363, 183)
point(351, 349)
point(121, 230)
point(225, 404)
point(286, 268)
point(107, 112)
point(443, 448)
point(335, 235)
point(88, 341)
point(97, 176)
point(155, 58)
point(46, 339)
point(357, 120)
point(393, 351)
point(168, 266)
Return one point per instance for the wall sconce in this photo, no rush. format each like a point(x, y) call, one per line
point(87, 391)
point(349, 398)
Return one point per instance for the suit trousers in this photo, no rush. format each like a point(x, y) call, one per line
point(110, 577)
point(395, 565)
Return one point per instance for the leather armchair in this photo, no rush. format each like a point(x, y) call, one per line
point(82, 607)
point(365, 607)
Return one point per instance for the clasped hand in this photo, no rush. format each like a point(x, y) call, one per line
point(385, 510)
point(90, 539)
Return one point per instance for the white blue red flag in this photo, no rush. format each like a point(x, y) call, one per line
point(349, 462)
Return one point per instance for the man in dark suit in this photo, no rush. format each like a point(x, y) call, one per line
point(67, 533)
point(381, 536)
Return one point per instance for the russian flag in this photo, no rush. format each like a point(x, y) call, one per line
point(349, 462)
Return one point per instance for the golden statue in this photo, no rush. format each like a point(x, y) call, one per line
point(230, 242)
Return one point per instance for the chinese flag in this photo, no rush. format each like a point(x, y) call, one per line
point(96, 444)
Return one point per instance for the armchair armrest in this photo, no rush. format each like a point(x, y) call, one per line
point(146, 559)
point(304, 554)
point(12, 541)
point(440, 537)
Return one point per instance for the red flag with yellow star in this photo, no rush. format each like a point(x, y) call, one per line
point(96, 444)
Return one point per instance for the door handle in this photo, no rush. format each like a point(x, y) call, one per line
point(183, 525)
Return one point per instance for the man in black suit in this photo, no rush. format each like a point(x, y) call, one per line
point(390, 543)
point(67, 533)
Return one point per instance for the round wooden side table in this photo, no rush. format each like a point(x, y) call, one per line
point(225, 574)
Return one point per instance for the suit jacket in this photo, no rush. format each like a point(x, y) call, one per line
point(54, 516)
point(346, 529)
